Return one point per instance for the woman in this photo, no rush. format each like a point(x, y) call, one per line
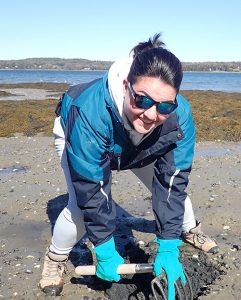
point(132, 118)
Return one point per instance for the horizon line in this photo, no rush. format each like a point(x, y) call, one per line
point(55, 57)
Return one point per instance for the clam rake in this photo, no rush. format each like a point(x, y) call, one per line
point(158, 284)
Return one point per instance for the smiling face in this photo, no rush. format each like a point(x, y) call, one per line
point(144, 120)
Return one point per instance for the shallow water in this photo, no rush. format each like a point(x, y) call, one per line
point(12, 170)
point(214, 151)
point(226, 82)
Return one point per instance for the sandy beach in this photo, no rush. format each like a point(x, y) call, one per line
point(33, 193)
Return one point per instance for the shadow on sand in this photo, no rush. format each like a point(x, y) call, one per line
point(201, 272)
point(125, 224)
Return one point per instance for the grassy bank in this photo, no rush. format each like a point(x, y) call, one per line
point(217, 115)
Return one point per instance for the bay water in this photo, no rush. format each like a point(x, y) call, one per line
point(225, 82)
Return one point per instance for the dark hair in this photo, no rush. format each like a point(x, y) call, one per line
point(151, 59)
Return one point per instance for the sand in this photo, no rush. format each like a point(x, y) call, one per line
point(29, 193)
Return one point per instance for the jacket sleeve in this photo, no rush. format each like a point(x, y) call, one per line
point(89, 165)
point(171, 173)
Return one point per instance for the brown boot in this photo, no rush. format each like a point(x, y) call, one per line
point(54, 267)
point(200, 240)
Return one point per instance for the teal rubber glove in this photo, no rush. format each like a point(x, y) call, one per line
point(108, 259)
point(167, 259)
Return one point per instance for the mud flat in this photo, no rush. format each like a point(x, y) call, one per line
point(32, 194)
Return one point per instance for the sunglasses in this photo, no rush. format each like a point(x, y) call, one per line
point(164, 108)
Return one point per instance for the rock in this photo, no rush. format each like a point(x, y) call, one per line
point(237, 247)
point(226, 227)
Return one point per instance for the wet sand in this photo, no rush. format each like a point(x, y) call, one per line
point(33, 193)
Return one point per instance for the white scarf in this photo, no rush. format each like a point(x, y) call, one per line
point(118, 72)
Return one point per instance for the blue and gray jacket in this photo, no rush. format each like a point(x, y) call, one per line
point(97, 142)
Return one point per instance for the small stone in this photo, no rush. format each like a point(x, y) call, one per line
point(237, 247)
point(195, 257)
point(222, 269)
point(226, 227)
point(37, 266)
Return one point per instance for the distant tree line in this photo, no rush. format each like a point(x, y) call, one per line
point(85, 64)
point(234, 66)
point(55, 64)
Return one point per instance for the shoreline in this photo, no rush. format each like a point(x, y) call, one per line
point(57, 85)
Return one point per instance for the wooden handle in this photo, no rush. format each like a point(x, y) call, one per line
point(122, 269)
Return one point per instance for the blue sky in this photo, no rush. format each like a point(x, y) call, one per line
point(201, 30)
